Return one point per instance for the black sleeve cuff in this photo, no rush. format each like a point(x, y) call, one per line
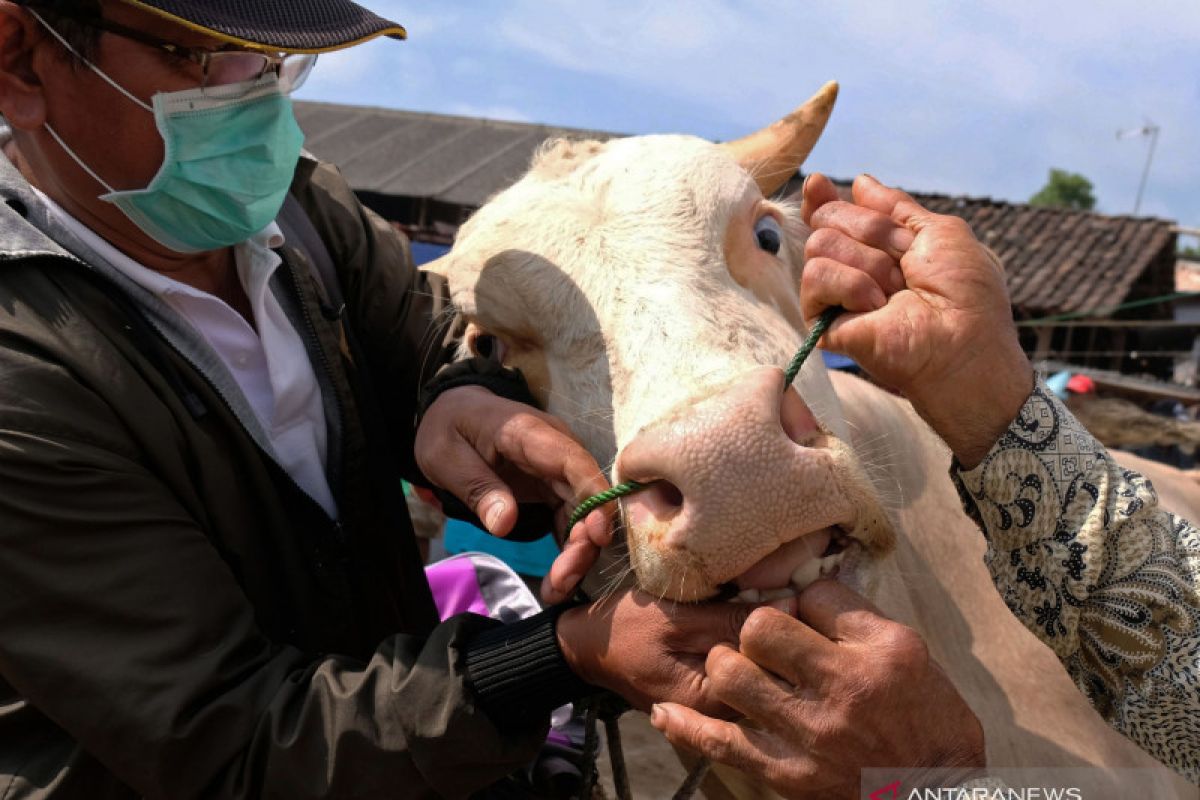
point(518, 671)
point(478, 371)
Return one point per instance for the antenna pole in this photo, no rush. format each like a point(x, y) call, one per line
point(1150, 130)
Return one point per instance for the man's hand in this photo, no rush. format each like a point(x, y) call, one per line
point(930, 314)
point(651, 651)
point(491, 452)
point(840, 689)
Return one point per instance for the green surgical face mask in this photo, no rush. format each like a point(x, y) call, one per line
point(230, 153)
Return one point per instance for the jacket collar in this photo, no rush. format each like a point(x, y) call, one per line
point(27, 228)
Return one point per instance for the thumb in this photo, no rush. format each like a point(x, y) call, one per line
point(466, 475)
point(857, 335)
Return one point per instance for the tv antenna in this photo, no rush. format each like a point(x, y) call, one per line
point(1148, 130)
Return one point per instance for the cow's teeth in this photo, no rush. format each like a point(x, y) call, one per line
point(816, 568)
point(829, 564)
point(806, 573)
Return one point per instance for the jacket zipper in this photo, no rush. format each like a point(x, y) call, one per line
point(337, 531)
point(310, 333)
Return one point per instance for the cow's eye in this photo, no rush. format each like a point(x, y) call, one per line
point(769, 234)
point(486, 345)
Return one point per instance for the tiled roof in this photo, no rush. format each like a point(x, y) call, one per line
point(1057, 260)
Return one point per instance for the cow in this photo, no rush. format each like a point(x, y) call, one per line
point(646, 287)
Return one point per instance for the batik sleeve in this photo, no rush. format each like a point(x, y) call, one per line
point(1087, 559)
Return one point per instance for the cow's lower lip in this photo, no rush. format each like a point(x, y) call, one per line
point(793, 570)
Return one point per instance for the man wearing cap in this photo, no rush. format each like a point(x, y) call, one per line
point(210, 361)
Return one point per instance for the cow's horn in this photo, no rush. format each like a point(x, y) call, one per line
point(773, 154)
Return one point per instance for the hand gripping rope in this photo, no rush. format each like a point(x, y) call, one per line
point(603, 707)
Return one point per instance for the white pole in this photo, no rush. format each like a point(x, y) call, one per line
point(1151, 130)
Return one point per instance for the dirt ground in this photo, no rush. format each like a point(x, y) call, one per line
point(654, 769)
point(656, 773)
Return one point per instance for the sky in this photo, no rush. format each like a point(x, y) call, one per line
point(975, 97)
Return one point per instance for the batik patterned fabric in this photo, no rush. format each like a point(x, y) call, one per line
point(1084, 556)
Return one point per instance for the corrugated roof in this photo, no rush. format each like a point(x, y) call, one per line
point(458, 160)
point(1057, 260)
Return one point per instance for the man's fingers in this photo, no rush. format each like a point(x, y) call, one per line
point(835, 245)
point(716, 740)
point(700, 628)
point(896, 204)
point(864, 225)
point(826, 282)
point(785, 646)
point(839, 613)
point(465, 474)
point(567, 571)
point(530, 442)
point(893, 203)
point(579, 554)
point(746, 687)
point(817, 191)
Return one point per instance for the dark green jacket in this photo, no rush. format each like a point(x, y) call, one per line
point(177, 618)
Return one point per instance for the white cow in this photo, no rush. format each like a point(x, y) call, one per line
point(646, 287)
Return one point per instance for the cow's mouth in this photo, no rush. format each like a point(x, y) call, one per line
point(792, 567)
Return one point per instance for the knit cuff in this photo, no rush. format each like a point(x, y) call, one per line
point(506, 382)
point(518, 671)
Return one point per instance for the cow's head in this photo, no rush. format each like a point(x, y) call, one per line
point(646, 287)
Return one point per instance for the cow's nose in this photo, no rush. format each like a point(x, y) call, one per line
point(710, 459)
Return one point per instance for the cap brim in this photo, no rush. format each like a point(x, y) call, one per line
point(282, 25)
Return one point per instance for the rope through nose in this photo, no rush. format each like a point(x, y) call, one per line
point(789, 375)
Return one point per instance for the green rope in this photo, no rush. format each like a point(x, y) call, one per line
point(789, 375)
point(1103, 312)
point(597, 500)
point(818, 330)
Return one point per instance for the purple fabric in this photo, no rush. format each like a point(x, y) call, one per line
point(559, 738)
point(455, 588)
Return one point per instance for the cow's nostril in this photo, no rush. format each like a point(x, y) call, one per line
point(665, 497)
point(670, 493)
point(798, 422)
point(661, 501)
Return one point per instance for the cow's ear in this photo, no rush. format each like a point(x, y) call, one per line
point(439, 266)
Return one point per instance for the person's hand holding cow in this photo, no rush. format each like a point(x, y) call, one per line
point(839, 689)
point(929, 310)
point(492, 452)
point(649, 650)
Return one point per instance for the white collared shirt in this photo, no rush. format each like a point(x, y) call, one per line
point(271, 365)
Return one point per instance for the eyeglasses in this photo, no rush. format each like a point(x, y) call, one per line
point(221, 67)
